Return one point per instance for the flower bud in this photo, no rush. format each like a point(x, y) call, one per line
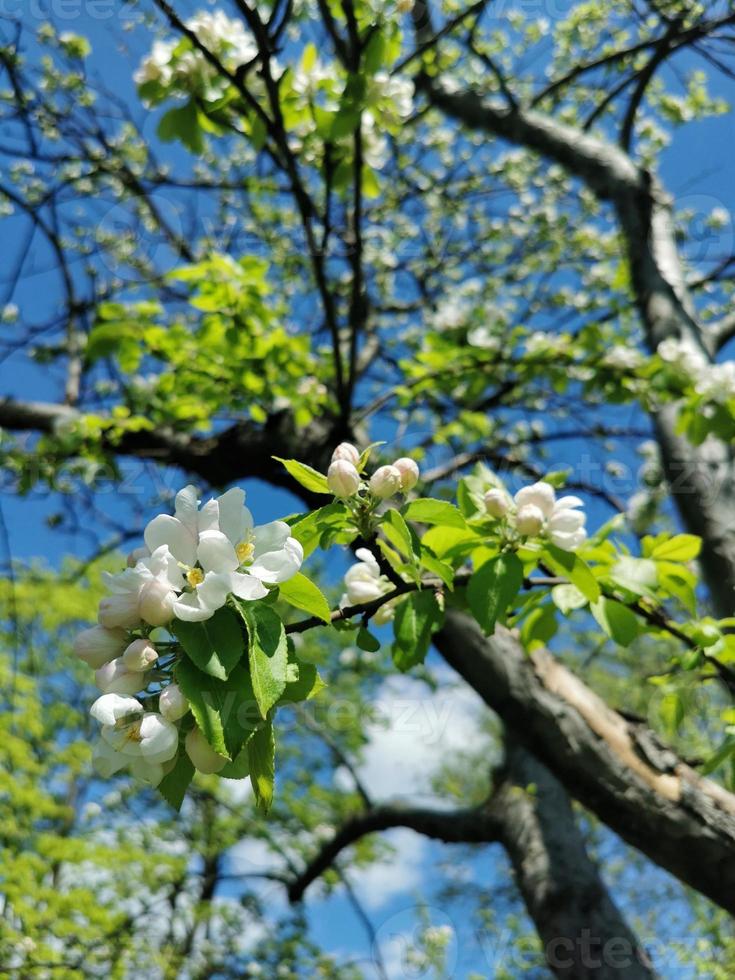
point(201, 753)
point(115, 678)
point(156, 603)
point(496, 502)
point(139, 655)
point(385, 481)
point(529, 519)
point(119, 610)
point(539, 494)
point(345, 450)
point(135, 555)
point(343, 478)
point(171, 703)
point(409, 472)
point(97, 646)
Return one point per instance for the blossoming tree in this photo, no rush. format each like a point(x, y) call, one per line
point(395, 256)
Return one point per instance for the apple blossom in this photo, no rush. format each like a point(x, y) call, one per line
point(529, 519)
point(117, 611)
point(201, 753)
point(156, 603)
point(98, 645)
point(409, 472)
point(171, 703)
point(139, 655)
point(142, 741)
point(539, 511)
point(343, 478)
point(220, 553)
point(497, 502)
point(116, 678)
point(364, 583)
point(345, 450)
point(385, 481)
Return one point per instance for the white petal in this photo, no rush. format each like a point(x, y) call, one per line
point(539, 495)
point(235, 520)
point(208, 517)
point(564, 502)
point(568, 541)
point(146, 771)
point(167, 530)
point(205, 600)
point(187, 506)
point(368, 558)
point(106, 760)
point(359, 592)
point(107, 709)
point(566, 520)
point(247, 587)
point(279, 566)
point(216, 553)
point(270, 537)
point(162, 564)
point(160, 738)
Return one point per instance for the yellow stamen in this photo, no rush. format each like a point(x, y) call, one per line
point(244, 551)
point(195, 576)
point(133, 734)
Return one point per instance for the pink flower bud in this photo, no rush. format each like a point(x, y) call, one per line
point(201, 753)
point(139, 655)
point(156, 603)
point(409, 472)
point(529, 519)
point(97, 646)
point(343, 478)
point(385, 481)
point(345, 450)
point(172, 704)
point(119, 610)
point(497, 503)
point(115, 678)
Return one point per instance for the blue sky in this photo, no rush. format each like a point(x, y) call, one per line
point(697, 171)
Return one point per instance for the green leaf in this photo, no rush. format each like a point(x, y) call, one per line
point(366, 641)
point(305, 475)
point(302, 681)
point(182, 123)
point(226, 711)
point(399, 534)
point(308, 529)
point(301, 592)
point(442, 569)
point(538, 627)
point(672, 711)
point(365, 455)
point(216, 645)
point(571, 566)
point(619, 622)
point(493, 587)
point(416, 619)
point(239, 768)
point(175, 783)
point(262, 762)
point(682, 547)
point(426, 510)
point(267, 653)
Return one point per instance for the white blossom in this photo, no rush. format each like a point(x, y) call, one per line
point(364, 583)
point(342, 478)
point(142, 741)
point(539, 512)
point(385, 481)
point(409, 472)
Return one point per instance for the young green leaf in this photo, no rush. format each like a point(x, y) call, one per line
point(366, 641)
point(305, 475)
point(262, 763)
point(682, 548)
point(493, 587)
point(175, 783)
point(267, 653)
point(225, 711)
point(400, 535)
point(417, 618)
point(216, 645)
point(301, 592)
point(616, 620)
point(426, 510)
point(571, 566)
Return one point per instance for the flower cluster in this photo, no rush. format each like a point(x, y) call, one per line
point(535, 512)
point(190, 565)
point(345, 481)
point(169, 67)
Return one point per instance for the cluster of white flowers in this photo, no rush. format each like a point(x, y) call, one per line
point(223, 36)
point(622, 358)
point(715, 382)
point(364, 583)
point(345, 481)
point(535, 512)
point(190, 565)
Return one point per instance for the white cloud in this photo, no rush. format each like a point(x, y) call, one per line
point(400, 873)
